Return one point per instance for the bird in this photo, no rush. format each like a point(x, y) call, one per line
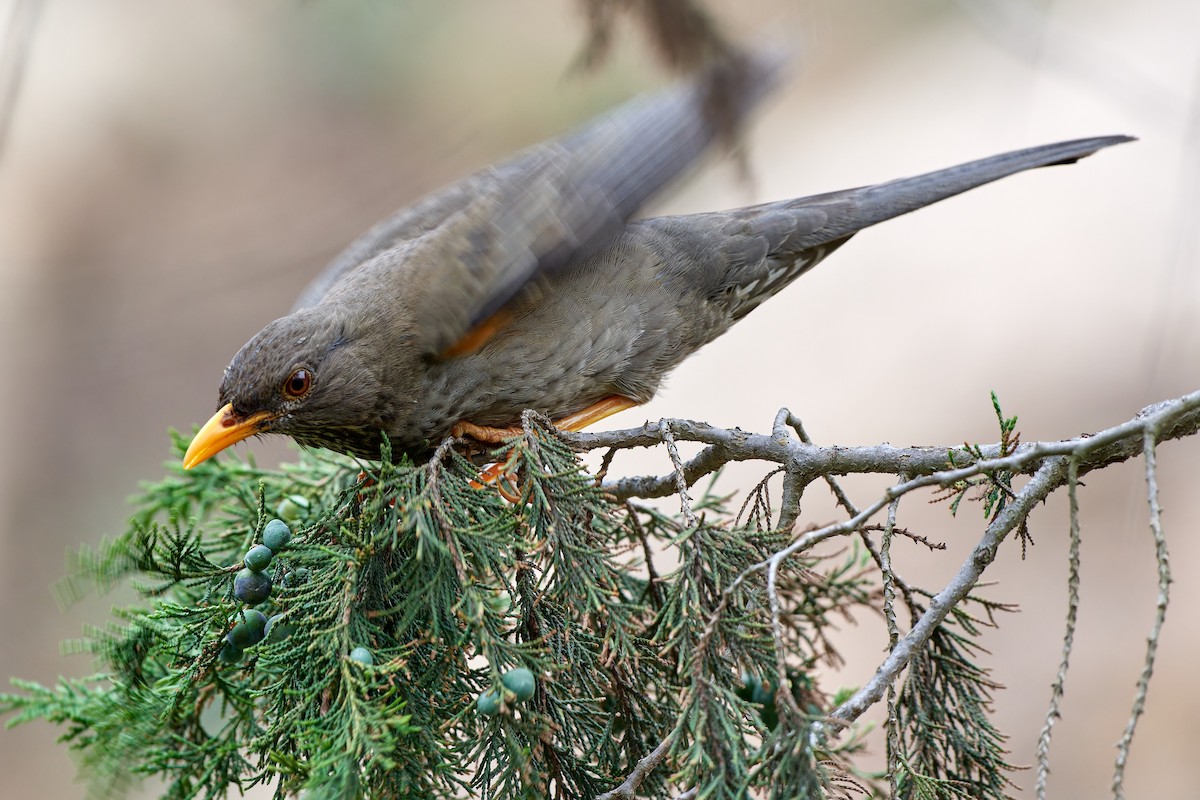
point(530, 285)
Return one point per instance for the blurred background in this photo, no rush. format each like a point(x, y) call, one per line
point(176, 173)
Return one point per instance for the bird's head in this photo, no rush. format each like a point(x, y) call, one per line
point(305, 376)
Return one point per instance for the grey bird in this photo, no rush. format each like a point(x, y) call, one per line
point(526, 286)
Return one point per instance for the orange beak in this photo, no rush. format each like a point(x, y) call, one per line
point(225, 428)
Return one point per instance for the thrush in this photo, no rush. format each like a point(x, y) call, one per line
point(527, 286)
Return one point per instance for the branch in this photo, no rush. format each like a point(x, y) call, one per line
point(1181, 417)
point(1171, 417)
point(1160, 613)
point(1049, 477)
point(1052, 465)
point(628, 788)
point(1060, 679)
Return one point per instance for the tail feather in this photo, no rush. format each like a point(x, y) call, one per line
point(873, 204)
point(741, 257)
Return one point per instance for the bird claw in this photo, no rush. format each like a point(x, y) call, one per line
point(497, 474)
point(481, 433)
point(493, 474)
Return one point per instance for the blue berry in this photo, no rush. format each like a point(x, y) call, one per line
point(295, 577)
point(292, 508)
point(251, 587)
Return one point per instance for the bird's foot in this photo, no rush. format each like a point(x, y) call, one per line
point(483, 433)
point(497, 474)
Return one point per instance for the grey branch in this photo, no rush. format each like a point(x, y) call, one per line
point(1173, 418)
point(628, 788)
point(1160, 612)
point(1060, 679)
point(1051, 465)
point(944, 463)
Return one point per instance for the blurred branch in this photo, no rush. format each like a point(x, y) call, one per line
point(13, 60)
point(681, 32)
point(1026, 31)
point(687, 40)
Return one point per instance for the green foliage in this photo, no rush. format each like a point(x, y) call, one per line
point(995, 488)
point(950, 746)
point(512, 650)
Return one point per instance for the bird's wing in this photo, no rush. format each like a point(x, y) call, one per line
point(403, 226)
point(465, 251)
point(740, 258)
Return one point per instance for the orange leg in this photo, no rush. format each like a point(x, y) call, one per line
point(595, 412)
point(572, 422)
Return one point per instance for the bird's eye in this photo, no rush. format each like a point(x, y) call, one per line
point(298, 383)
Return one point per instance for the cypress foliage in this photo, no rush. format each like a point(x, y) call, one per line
point(405, 607)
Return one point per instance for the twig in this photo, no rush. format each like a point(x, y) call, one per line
point(1160, 613)
point(681, 484)
point(783, 692)
point(786, 417)
point(1043, 482)
point(907, 534)
point(435, 467)
point(628, 788)
point(652, 579)
point(1056, 690)
point(889, 615)
point(793, 484)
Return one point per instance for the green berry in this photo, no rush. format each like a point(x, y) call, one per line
point(519, 681)
point(292, 508)
point(277, 631)
point(230, 653)
point(258, 558)
point(251, 587)
point(276, 535)
point(488, 703)
point(362, 655)
point(249, 631)
point(296, 577)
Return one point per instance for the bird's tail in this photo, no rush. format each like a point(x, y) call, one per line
point(752, 253)
point(874, 204)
